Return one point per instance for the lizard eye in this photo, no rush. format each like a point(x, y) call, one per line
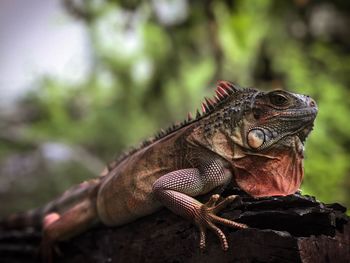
point(278, 99)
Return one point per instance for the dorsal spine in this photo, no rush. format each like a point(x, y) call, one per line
point(223, 91)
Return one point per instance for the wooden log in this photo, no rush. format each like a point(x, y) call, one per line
point(294, 228)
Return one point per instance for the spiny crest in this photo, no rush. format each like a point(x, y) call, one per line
point(223, 90)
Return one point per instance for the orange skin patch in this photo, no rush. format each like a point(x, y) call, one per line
point(261, 175)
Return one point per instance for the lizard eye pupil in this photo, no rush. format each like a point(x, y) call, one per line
point(278, 100)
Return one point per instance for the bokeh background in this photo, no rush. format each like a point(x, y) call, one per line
point(80, 81)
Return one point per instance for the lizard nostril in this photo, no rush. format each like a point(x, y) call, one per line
point(312, 103)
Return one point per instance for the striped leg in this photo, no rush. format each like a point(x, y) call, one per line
point(177, 189)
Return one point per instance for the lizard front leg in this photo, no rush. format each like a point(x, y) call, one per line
point(176, 190)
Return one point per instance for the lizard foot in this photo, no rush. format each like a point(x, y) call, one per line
point(48, 249)
point(206, 218)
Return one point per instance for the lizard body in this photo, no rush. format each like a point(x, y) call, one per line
point(247, 137)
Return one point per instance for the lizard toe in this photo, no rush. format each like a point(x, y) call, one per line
point(212, 201)
point(206, 219)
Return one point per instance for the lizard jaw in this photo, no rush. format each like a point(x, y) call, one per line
point(304, 133)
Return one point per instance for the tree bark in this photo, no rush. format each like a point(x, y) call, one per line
point(294, 228)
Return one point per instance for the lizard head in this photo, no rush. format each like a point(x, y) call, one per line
point(261, 134)
point(272, 116)
point(257, 120)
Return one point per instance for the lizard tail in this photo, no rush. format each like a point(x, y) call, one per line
point(34, 218)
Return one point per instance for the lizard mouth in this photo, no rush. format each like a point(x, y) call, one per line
point(308, 125)
point(303, 133)
point(305, 116)
point(305, 119)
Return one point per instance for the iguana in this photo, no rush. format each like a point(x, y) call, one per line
point(246, 137)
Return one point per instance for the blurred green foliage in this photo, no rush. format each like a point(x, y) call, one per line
point(152, 65)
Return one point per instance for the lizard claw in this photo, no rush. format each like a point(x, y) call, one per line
point(206, 217)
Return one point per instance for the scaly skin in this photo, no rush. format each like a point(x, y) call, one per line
point(250, 138)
